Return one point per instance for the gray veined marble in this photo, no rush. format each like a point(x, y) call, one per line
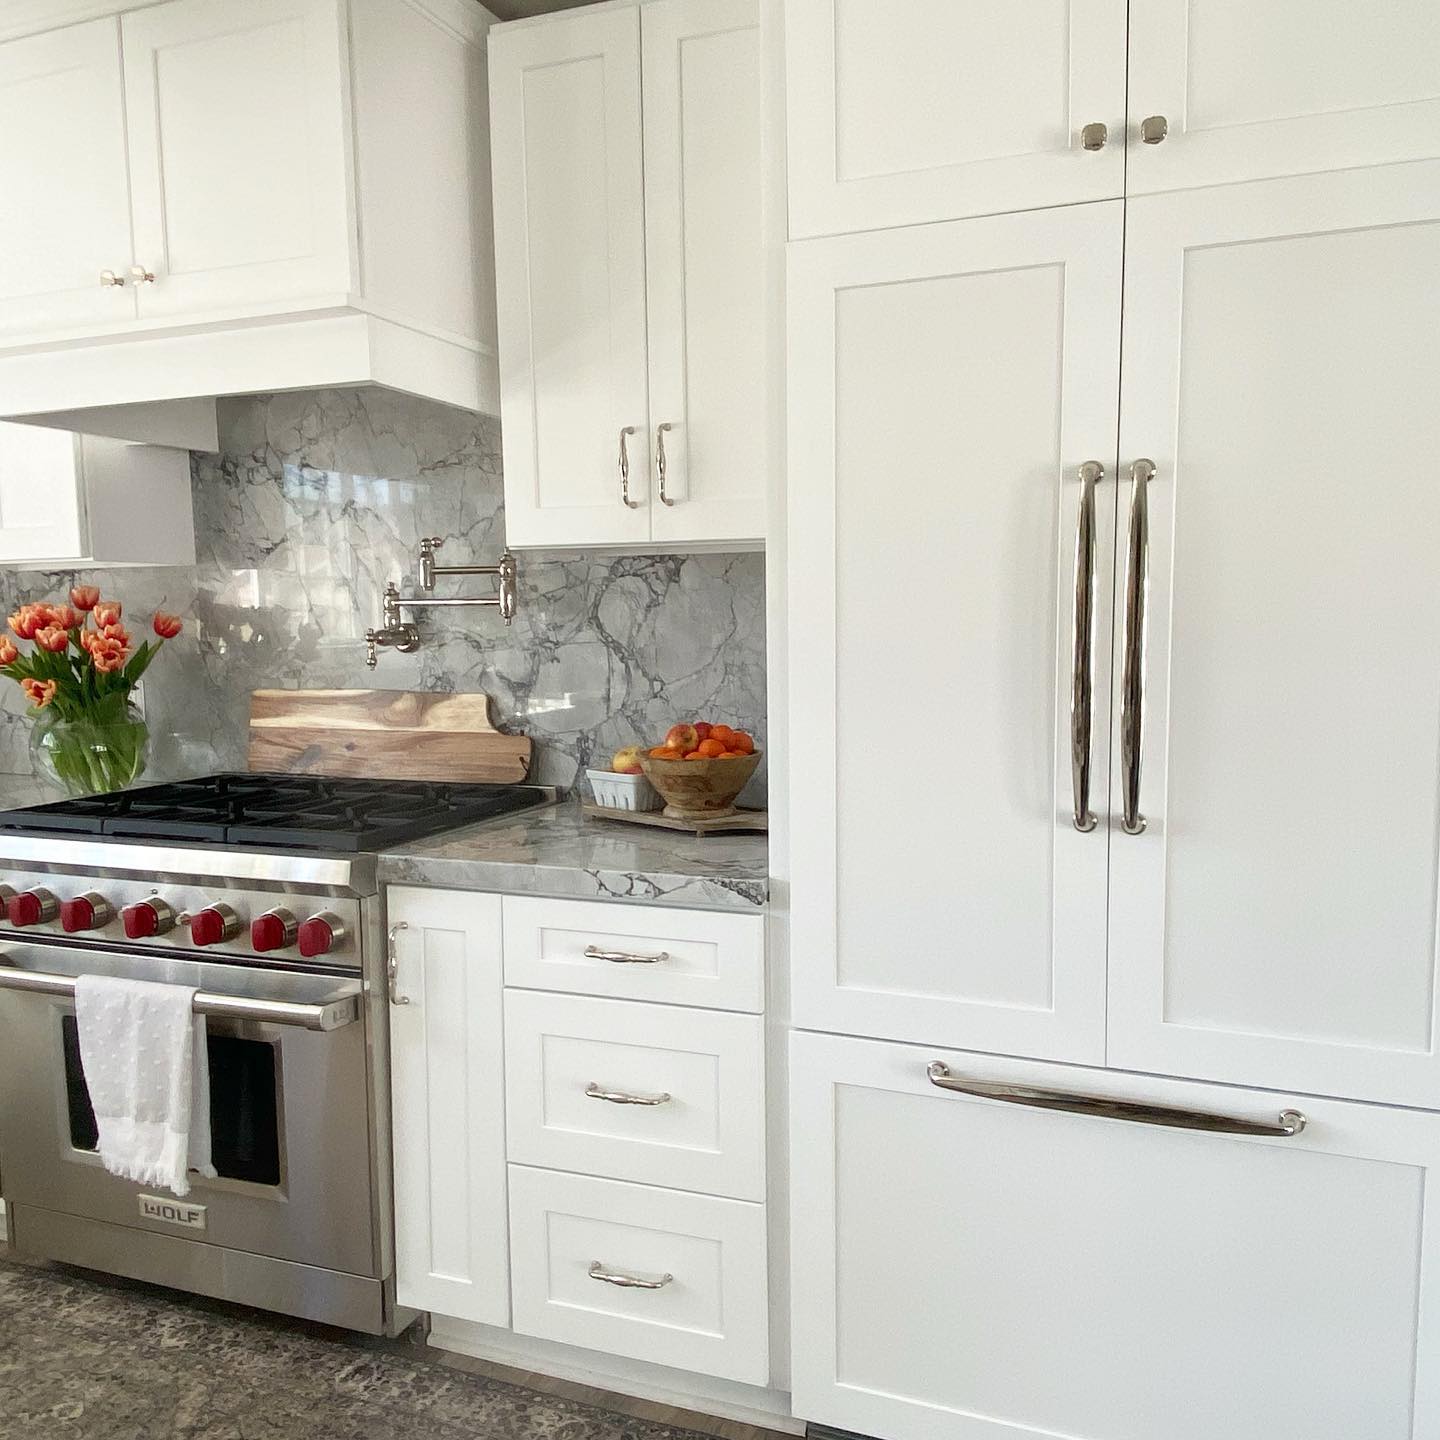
point(317, 498)
point(560, 851)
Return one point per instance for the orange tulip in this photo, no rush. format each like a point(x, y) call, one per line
point(25, 622)
point(52, 638)
point(65, 617)
point(107, 612)
point(84, 597)
point(39, 692)
point(9, 651)
point(167, 627)
point(109, 655)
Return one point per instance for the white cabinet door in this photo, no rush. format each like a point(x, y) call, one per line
point(1280, 88)
point(238, 154)
point(42, 496)
point(947, 384)
point(570, 276)
point(448, 1088)
point(903, 111)
point(705, 269)
point(65, 211)
point(1275, 922)
point(968, 1269)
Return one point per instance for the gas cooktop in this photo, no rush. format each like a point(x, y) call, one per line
point(307, 812)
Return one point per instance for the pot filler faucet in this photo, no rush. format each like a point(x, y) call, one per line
point(397, 633)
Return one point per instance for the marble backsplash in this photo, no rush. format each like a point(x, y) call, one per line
point(317, 498)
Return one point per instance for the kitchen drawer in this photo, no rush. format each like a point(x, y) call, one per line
point(701, 1304)
point(679, 957)
point(708, 1133)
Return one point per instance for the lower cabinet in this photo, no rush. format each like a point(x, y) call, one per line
point(973, 1269)
point(448, 1107)
point(658, 1275)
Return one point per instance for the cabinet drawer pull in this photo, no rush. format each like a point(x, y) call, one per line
point(625, 1280)
point(1083, 667)
point(109, 278)
point(662, 465)
point(1291, 1122)
point(624, 1097)
point(1132, 682)
point(392, 964)
point(142, 275)
point(625, 470)
point(625, 957)
point(1153, 129)
point(1094, 135)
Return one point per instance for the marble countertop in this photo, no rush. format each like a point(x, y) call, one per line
point(560, 851)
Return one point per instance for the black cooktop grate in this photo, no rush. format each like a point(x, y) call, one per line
point(307, 812)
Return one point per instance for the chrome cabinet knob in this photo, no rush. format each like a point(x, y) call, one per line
point(1153, 129)
point(109, 277)
point(141, 275)
point(1094, 135)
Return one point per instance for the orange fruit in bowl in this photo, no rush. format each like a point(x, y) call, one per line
point(712, 747)
point(742, 741)
point(733, 755)
point(723, 733)
point(666, 752)
point(696, 755)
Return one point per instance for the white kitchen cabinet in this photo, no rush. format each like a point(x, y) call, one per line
point(285, 194)
point(1275, 921)
point(244, 202)
point(970, 1269)
point(1280, 88)
point(68, 500)
point(65, 217)
point(630, 277)
point(947, 385)
point(923, 110)
point(448, 1104)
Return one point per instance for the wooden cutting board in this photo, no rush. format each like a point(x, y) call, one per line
point(383, 734)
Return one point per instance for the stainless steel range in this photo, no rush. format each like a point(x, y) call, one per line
point(261, 892)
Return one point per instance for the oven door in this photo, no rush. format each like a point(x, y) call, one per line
point(289, 1108)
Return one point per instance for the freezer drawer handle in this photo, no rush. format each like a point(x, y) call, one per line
point(625, 1280)
point(1291, 1122)
point(624, 1097)
point(625, 957)
point(1083, 669)
point(1132, 680)
point(333, 1015)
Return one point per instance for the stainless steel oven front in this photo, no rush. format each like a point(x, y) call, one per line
point(298, 1217)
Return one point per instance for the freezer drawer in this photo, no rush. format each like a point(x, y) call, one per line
point(975, 1269)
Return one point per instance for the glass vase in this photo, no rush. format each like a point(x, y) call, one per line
point(92, 755)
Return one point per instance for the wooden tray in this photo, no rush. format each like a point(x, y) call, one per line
point(742, 821)
point(384, 734)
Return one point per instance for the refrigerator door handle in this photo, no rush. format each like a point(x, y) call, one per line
point(1082, 676)
point(1132, 682)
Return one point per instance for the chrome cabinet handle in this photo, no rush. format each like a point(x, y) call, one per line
point(1290, 1122)
point(1082, 679)
point(625, 1280)
point(1153, 129)
point(141, 275)
point(1132, 675)
point(660, 462)
point(1094, 135)
point(625, 957)
point(392, 964)
point(109, 277)
point(624, 1097)
point(625, 470)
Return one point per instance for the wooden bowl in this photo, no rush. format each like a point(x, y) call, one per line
point(699, 789)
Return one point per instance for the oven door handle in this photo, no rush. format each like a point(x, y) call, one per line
point(332, 1015)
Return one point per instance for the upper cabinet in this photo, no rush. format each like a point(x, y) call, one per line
point(217, 199)
point(907, 111)
point(630, 269)
point(923, 110)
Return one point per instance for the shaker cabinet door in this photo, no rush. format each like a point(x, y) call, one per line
point(1281, 87)
point(42, 497)
point(903, 111)
point(970, 1269)
point(948, 386)
point(570, 271)
point(64, 196)
point(238, 154)
point(705, 268)
point(1274, 922)
point(448, 1102)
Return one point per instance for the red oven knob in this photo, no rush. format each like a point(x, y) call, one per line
point(320, 934)
point(274, 930)
point(147, 918)
point(85, 912)
point(214, 925)
point(32, 907)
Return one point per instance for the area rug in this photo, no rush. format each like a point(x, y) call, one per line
point(82, 1358)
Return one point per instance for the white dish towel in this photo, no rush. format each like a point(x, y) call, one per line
point(143, 1051)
